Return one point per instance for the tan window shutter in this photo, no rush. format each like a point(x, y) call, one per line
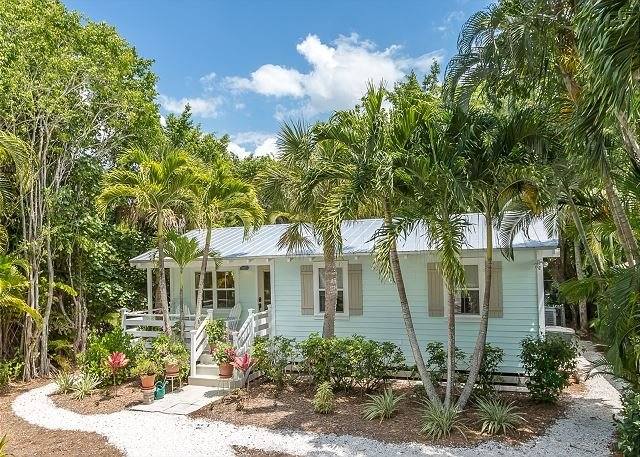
point(435, 291)
point(306, 287)
point(355, 289)
point(495, 303)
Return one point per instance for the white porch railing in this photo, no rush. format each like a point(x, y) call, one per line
point(257, 324)
point(198, 341)
point(142, 324)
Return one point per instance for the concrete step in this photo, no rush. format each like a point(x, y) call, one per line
point(207, 369)
point(214, 381)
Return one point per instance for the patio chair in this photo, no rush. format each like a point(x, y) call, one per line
point(233, 321)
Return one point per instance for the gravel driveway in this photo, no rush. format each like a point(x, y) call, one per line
point(586, 431)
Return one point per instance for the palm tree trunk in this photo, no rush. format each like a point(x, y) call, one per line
point(575, 215)
point(408, 320)
point(203, 272)
point(582, 306)
point(621, 221)
point(481, 340)
point(330, 290)
point(451, 348)
point(164, 302)
point(182, 303)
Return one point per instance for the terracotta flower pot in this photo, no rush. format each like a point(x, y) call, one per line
point(225, 370)
point(171, 369)
point(148, 381)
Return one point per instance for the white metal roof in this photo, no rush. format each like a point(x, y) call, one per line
point(357, 239)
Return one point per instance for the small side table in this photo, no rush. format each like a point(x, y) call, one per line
point(172, 379)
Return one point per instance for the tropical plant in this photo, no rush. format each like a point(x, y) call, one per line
point(497, 416)
point(84, 384)
point(116, 361)
point(222, 198)
point(371, 145)
point(14, 285)
point(65, 380)
point(491, 359)
point(381, 406)
point(183, 250)
point(160, 185)
point(628, 427)
point(224, 353)
point(439, 421)
point(101, 346)
point(548, 362)
point(10, 370)
point(324, 400)
point(292, 181)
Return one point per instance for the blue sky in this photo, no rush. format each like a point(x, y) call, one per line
point(244, 67)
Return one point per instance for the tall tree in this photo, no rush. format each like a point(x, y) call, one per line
point(160, 185)
point(289, 181)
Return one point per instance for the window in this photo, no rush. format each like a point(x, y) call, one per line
point(467, 301)
point(342, 306)
point(225, 290)
point(207, 291)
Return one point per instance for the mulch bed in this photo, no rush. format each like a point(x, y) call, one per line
point(293, 410)
point(102, 401)
point(29, 440)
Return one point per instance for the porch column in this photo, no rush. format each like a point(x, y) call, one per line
point(150, 290)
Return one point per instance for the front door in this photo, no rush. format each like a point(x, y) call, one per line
point(264, 288)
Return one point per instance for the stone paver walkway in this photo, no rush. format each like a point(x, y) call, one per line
point(184, 401)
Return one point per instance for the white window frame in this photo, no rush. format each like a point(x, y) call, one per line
point(213, 272)
point(469, 261)
point(345, 288)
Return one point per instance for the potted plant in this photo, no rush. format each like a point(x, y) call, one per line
point(171, 365)
point(224, 354)
point(146, 370)
point(216, 332)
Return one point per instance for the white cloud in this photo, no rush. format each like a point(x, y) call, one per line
point(338, 75)
point(200, 106)
point(255, 144)
point(453, 18)
point(208, 81)
point(239, 106)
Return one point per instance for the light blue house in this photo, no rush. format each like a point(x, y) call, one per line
point(256, 275)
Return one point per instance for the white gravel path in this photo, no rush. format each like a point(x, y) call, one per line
point(586, 431)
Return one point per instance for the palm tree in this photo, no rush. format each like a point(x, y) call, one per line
point(531, 49)
point(291, 182)
point(159, 185)
point(373, 145)
point(223, 198)
point(183, 250)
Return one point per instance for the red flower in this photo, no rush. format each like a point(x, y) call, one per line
point(116, 361)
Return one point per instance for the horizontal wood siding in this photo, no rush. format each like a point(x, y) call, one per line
point(381, 318)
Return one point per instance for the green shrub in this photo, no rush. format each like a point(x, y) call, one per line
point(381, 406)
point(216, 331)
point(323, 400)
point(437, 360)
point(272, 356)
point(10, 370)
point(64, 380)
point(491, 359)
point(439, 421)
point(548, 363)
point(629, 426)
point(84, 384)
point(170, 349)
point(349, 362)
point(497, 416)
point(100, 346)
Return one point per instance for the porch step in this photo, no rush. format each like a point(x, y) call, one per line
point(207, 369)
point(214, 381)
point(206, 359)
